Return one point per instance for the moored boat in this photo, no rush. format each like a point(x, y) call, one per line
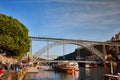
point(111, 77)
point(66, 66)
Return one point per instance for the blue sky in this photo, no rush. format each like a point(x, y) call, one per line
point(75, 19)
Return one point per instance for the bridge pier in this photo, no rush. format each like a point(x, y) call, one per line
point(63, 51)
point(117, 49)
point(104, 49)
point(118, 59)
point(47, 50)
point(30, 46)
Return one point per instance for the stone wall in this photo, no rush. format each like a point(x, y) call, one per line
point(14, 75)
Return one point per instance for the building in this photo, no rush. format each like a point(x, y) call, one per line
point(116, 37)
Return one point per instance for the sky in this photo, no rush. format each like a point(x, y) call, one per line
point(96, 20)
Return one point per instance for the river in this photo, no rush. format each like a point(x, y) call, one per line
point(83, 74)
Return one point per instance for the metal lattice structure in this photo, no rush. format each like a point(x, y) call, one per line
point(84, 43)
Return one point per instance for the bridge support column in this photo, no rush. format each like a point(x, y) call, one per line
point(117, 49)
point(118, 59)
point(30, 46)
point(104, 49)
point(47, 50)
point(63, 51)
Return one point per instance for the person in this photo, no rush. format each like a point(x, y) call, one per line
point(1, 72)
point(16, 68)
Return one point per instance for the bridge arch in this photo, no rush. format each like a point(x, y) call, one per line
point(83, 44)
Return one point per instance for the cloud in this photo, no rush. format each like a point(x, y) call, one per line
point(63, 1)
point(77, 18)
point(77, 15)
point(68, 17)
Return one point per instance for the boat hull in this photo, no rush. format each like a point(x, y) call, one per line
point(111, 77)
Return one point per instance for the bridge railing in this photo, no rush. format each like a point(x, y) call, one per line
point(78, 61)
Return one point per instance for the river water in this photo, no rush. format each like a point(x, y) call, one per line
point(83, 74)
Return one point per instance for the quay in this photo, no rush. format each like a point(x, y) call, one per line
point(32, 69)
point(18, 75)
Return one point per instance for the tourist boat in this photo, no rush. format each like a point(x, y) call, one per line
point(66, 66)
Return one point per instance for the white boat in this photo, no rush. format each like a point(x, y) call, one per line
point(45, 67)
point(66, 66)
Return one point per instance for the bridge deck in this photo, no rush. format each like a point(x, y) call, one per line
point(72, 61)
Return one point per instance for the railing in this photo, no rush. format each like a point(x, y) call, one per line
point(54, 61)
point(61, 39)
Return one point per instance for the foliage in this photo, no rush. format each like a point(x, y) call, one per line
point(14, 39)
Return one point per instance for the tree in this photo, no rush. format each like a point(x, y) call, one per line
point(14, 39)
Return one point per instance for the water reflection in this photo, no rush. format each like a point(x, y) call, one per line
point(71, 76)
point(91, 73)
point(83, 74)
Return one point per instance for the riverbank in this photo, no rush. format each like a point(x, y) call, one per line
point(18, 75)
point(32, 69)
point(13, 75)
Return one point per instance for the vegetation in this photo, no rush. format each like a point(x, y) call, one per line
point(14, 39)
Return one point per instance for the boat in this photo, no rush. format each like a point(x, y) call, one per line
point(45, 67)
point(91, 65)
point(66, 66)
point(112, 76)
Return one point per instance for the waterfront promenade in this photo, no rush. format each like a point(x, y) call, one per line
point(32, 69)
point(15, 75)
point(11, 75)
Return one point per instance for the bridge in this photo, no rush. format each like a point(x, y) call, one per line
point(89, 45)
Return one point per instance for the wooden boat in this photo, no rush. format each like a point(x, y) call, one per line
point(111, 76)
point(66, 66)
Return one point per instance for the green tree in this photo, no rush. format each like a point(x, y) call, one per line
point(14, 38)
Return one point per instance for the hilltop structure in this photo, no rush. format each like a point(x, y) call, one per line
point(116, 37)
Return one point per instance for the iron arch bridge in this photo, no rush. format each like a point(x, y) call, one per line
point(84, 43)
